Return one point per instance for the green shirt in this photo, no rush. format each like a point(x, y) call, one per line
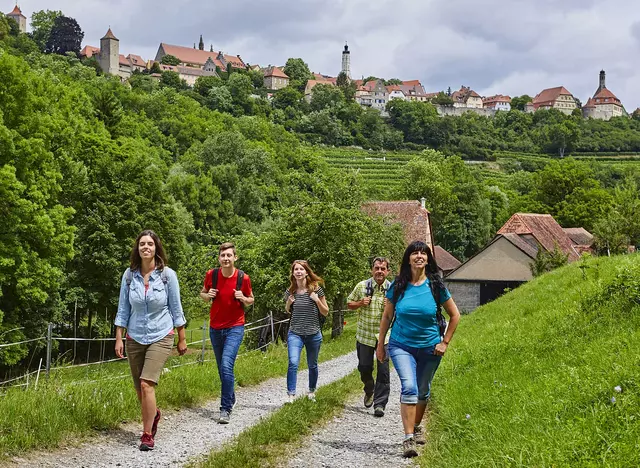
point(369, 316)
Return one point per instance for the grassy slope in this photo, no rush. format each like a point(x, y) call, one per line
point(536, 371)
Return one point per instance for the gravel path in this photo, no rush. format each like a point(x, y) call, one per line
point(190, 433)
point(356, 438)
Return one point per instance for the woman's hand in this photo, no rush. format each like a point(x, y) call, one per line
point(314, 297)
point(119, 348)
point(381, 353)
point(182, 346)
point(290, 301)
point(440, 349)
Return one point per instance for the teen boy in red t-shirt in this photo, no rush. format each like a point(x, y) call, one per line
point(226, 321)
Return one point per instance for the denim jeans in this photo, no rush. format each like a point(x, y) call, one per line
point(226, 343)
point(295, 343)
point(416, 368)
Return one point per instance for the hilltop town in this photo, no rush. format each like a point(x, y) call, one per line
point(194, 62)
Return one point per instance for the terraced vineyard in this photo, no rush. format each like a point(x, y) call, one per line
point(381, 172)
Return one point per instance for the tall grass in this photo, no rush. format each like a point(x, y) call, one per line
point(548, 375)
point(62, 409)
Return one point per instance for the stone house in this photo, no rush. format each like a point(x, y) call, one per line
point(466, 97)
point(497, 102)
point(555, 98)
point(197, 58)
point(505, 262)
point(275, 78)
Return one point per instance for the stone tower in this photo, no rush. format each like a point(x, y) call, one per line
point(201, 44)
point(19, 18)
point(602, 84)
point(109, 58)
point(346, 61)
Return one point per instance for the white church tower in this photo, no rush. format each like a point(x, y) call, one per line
point(346, 61)
point(109, 58)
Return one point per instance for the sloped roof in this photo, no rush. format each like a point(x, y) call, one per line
point(463, 94)
point(549, 95)
point(123, 61)
point(579, 236)
point(497, 98)
point(445, 260)
point(136, 60)
point(409, 213)
point(89, 51)
point(110, 35)
point(16, 12)
point(199, 57)
point(520, 243)
point(590, 104)
point(275, 72)
point(544, 228)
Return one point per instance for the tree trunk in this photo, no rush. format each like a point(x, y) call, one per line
point(337, 322)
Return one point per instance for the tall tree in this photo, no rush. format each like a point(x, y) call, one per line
point(170, 60)
point(41, 25)
point(298, 72)
point(66, 36)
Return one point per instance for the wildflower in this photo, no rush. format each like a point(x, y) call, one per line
point(618, 388)
point(468, 416)
point(613, 399)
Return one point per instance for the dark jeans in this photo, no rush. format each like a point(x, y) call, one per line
point(226, 343)
point(381, 387)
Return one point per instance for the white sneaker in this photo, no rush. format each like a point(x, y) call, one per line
point(311, 396)
point(290, 399)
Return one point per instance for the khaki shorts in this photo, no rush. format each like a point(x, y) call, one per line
point(147, 361)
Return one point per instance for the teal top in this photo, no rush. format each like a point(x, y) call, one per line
point(415, 323)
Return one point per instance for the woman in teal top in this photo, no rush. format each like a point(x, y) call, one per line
point(416, 345)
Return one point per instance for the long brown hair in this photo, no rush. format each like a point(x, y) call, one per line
point(313, 280)
point(135, 260)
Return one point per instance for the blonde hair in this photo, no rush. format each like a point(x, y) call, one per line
point(312, 279)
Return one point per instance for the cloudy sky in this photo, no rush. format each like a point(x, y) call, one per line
point(495, 46)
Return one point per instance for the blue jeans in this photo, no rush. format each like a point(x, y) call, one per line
point(416, 368)
point(294, 345)
point(226, 343)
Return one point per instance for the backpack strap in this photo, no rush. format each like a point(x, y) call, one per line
point(214, 278)
point(239, 280)
point(165, 281)
point(369, 288)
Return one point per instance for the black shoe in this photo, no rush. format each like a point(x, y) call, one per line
point(378, 411)
point(368, 400)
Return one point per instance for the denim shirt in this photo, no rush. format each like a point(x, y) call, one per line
point(150, 317)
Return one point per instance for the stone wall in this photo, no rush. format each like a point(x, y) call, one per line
point(458, 111)
point(466, 295)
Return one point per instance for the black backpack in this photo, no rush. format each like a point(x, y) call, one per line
point(437, 285)
point(239, 279)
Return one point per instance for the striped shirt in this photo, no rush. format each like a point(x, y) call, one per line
point(369, 316)
point(304, 313)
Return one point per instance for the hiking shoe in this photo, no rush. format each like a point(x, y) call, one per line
point(368, 400)
point(290, 399)
point(311, 396)
point(156, 420)
point(378, 411)
point(224, 417)
point(146, 442)
point(418, 435)
point(409, 449)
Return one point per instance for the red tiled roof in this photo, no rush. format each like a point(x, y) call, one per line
point(275, 72)
point(520, 243)
point(446, 262)
point(199, 57)
point(136, 60)
point(110, 35)
point(16, 12)
point(544, 228)
point(495, 99)
point(122, 60)
point(312, 83)
point(89, 51)
point(410, 214)
point(412, 83)
point(590, 104)
point(463, 94)
point(549, 96)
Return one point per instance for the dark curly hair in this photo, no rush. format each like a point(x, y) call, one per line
point(404, 277)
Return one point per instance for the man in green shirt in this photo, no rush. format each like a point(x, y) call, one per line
point(368, 298)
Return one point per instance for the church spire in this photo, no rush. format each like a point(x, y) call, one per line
point(201, 44)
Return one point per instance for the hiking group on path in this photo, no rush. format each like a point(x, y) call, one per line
point(401, 320)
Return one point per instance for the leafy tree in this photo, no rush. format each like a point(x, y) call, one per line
point(342, 80)
point(287, 97)
point(393, 81)
point(546, 261)
point(155, 68)
point(442, 99)
point(298, 72)
point(204, 84)
point(610, 236)
point(171, 79)
point(519, 102)
point(108, 109)
point(326, 96)
point(219, 98)
point(65, 36)
point(169, 59)
point(370, 78)
point(41, 24)
point(142, 82)
point(241, 88)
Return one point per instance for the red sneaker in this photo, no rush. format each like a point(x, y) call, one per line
point(146, 442)
point(156, 420)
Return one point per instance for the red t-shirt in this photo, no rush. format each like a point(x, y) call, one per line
point(226, 311)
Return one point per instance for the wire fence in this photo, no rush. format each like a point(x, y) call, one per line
point(267, 325)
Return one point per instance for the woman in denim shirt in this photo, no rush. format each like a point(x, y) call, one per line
point(149, 308)
point(416, 345)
